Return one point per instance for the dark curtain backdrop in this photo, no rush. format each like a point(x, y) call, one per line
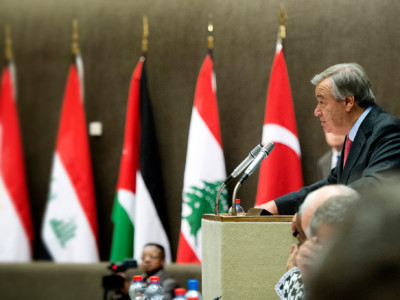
point(319, 34)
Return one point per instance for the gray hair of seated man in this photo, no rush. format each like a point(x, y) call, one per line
point(319, 196)
point(331, 212)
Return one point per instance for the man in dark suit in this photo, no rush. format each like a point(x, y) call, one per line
point(346, 105)
point(153, 261)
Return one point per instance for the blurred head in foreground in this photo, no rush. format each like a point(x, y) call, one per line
point(364, 260)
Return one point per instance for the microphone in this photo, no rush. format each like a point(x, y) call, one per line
point(265, 151)
point(240, 168)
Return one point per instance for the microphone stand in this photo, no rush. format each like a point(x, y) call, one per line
point(237, 186)
point(217, 198)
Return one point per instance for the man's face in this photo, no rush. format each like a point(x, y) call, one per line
point(330, 112)
point(152, 259)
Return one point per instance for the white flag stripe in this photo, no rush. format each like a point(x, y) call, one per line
point(127, 200)
point(214, 82)
point(13, 74)
point(74, 241)
point(279, 134)
point(14, 245)
point(204, 161)
point(79, 68)
point(148, 226)
point(205, 158)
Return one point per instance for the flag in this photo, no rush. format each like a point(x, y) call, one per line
point(205, 166)
point(139, 212)
point(16, 230)
point(281, 172)
point(69, 228)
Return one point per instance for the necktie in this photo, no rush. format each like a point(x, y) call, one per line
point(346, 149)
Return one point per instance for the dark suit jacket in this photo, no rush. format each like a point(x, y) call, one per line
point(373, 157)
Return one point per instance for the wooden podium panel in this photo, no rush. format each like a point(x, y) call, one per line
point(244, 257)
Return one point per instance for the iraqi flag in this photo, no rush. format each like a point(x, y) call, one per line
point(139, 213)
point(69, 229)
point(16, 231)
point(281, 172)
point(205, 166)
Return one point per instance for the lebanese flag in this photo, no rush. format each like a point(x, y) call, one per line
point(16, 230)
point(205, 166)
point(70, 223)
point(139, 212)
point(281, 172)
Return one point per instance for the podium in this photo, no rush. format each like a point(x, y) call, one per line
point(243, 257)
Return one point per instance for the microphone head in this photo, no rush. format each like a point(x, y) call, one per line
point(256, 150)
point(268, 147)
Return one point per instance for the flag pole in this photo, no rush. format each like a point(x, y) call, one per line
point(8, 44)
point(145, 37)
point(76, 53)
point(210, 37)
point(75, 38)
point(282, 26)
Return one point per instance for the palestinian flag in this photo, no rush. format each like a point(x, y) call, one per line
point(205, 166)
point(16, 231)
point(139, 213)
point(281, 172)
point(70, 223)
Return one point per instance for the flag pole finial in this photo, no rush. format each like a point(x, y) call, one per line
point(75, 37)
point(282, 24)
point(210, 29)
point(145, 37)
point(8, 43)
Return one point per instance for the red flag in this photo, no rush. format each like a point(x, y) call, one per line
point(70, 221)
point(281, 172)
point(16, 231)
point(205, 166)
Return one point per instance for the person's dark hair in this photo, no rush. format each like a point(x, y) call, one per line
point(348, 79)
point(364, 260)
point(159, 247)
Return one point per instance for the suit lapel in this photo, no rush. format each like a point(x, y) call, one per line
point(358, 144)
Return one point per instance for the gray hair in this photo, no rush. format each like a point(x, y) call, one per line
point(331, 212)
point(342, 190)
point(348, 79)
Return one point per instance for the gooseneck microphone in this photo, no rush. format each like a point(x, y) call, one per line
point(239, 169)
point(265, 151)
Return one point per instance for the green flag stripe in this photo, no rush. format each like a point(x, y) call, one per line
point(122, 242)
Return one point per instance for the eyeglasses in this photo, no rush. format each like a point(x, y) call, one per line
point(150, 256)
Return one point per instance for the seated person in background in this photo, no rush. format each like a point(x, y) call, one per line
point(153, 260)
point(330, 159)
point(363, 262)
point(346, 106)
point(290, 286)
